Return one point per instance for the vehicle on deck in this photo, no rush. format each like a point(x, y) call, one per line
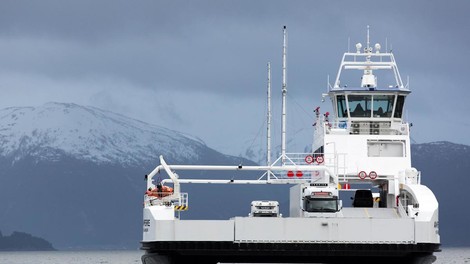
point(265, 209)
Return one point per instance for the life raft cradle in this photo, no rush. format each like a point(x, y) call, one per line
point(164, 191)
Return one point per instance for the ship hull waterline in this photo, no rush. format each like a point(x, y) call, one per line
point(173, 252)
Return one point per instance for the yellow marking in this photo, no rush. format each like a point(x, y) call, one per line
point(396, 212)
point(181, 208)
point(367, 212)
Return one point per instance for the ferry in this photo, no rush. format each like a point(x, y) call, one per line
point(360, 151)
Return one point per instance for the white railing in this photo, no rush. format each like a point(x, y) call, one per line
point(401, 210)
point(336, 162)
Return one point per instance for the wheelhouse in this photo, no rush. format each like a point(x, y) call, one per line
point(357, 104)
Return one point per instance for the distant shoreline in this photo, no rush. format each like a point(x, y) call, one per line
point(20, 241)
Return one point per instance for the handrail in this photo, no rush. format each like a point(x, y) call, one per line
point(176, 180)
point(402, 210)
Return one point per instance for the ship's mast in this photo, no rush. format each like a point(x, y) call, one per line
point(284, 93)
point(268, 147)
point(368, 37)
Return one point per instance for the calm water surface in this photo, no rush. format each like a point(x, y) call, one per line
point(71, 257)
point(447, 256)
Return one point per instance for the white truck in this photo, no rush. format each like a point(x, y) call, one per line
point(314, 200)
point(265, 209)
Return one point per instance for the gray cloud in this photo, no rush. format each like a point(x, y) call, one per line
point(205, 60)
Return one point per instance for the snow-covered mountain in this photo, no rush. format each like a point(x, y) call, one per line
point(88, 133)
point(74, 175)
point(439, 149)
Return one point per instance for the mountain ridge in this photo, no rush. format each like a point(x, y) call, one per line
point(75, 175)
point(20, 241)
point(111, 138)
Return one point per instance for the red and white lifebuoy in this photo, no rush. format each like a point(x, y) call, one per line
point(320, 159)
point(362, 175)
point(309, 159)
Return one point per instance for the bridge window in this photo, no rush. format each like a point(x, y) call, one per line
point(383, 105)
point(342, 110)
point(399, 107)
point(360, 105)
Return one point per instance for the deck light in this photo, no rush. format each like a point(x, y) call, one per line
point(358, 47)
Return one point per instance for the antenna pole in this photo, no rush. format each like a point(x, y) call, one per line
point(284, 93)
point(268, 147)
point(368, 39)
point(328, 83)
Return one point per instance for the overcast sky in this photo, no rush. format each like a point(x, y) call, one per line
point(200, 66)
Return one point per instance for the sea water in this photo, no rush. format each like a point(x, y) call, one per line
point(72, 257)
point(447, 256)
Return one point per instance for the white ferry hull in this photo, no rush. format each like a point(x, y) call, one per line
point(289, 230)
point(362, 148)
point(289, 240)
